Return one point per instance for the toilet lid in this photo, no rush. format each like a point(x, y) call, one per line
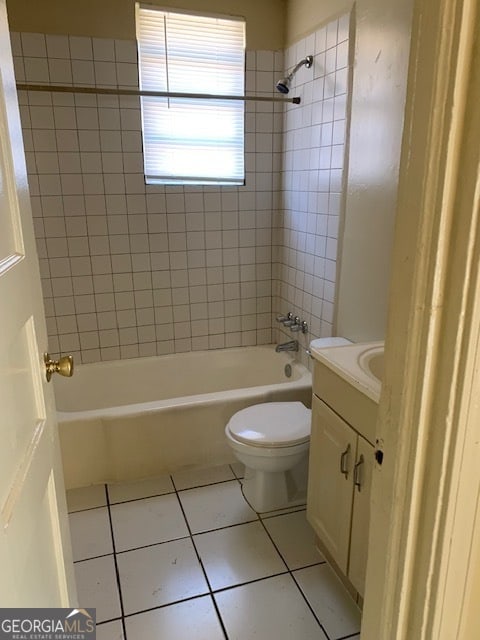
point(272, 424)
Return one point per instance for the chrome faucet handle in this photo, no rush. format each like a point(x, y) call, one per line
point(300, 325)
point(286, 318)
point(296, 326)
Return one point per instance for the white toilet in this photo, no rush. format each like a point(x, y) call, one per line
point(272, 440)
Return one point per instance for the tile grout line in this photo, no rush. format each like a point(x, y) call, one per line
point(310, 606)
point(201, 563)
point(249, 582)
point(153, 544)
point(290, 571)
point(103, 555)
point(119, 619)
point(165, 605)
point(120, 597)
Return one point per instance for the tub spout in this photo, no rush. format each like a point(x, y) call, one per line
point(287, 346)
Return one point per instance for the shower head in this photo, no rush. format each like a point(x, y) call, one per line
point(283, 85)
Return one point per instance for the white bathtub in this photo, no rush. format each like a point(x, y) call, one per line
point(132, 419)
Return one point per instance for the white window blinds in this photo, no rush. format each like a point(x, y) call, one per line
point(191, 140)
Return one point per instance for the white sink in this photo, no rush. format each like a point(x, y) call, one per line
point(361, 365)
point(371, 361)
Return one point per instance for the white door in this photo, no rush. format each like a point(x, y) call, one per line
point(35, 557)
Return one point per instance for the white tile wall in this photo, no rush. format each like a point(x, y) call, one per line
point(131, 270)
point(306, 226)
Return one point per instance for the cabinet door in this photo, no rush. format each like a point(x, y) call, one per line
point(329, 501)
point(361, 514)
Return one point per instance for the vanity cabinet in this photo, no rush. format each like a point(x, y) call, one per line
point(340, 468)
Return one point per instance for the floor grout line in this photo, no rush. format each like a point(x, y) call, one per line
point(153, 544)
point(119, 619)
point(102, 555)
point(166, 605)
point(201, 564)
point(100, 506)
point(117, 572)
point(290, 571)
point(310, 606)
point(247, 582)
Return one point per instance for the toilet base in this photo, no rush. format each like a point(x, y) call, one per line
point(270, 490)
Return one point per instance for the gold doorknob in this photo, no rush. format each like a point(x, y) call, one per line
point(64, 366)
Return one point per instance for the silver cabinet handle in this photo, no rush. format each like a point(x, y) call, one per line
point(344, 461)
point(357, 476)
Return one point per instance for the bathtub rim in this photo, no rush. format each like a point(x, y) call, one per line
point(141, 408)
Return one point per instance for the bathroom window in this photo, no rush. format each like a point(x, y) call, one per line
point(191, 140)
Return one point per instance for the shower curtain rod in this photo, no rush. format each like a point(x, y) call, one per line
point(153, 94)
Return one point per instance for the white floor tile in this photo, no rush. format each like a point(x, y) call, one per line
point(150, 521)
point(295, 539)
point(141, 489)
point(110, 631)
point(195, 618)
point(90, 533)
point(238, 554)
point(331, 602)
point(215, 506)
point(86, 498)
point(97, 587)
point(271, 608)
point(201, 477)
point(234, 548)
point(160, 575)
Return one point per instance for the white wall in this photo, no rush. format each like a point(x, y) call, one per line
point(382, 45)
point(116, 18)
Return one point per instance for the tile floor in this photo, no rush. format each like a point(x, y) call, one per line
point(184, 557)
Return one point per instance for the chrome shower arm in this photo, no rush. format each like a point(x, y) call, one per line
point(284, 85)
point(308, 61)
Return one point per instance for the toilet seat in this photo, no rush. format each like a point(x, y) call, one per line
point(271, 424)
